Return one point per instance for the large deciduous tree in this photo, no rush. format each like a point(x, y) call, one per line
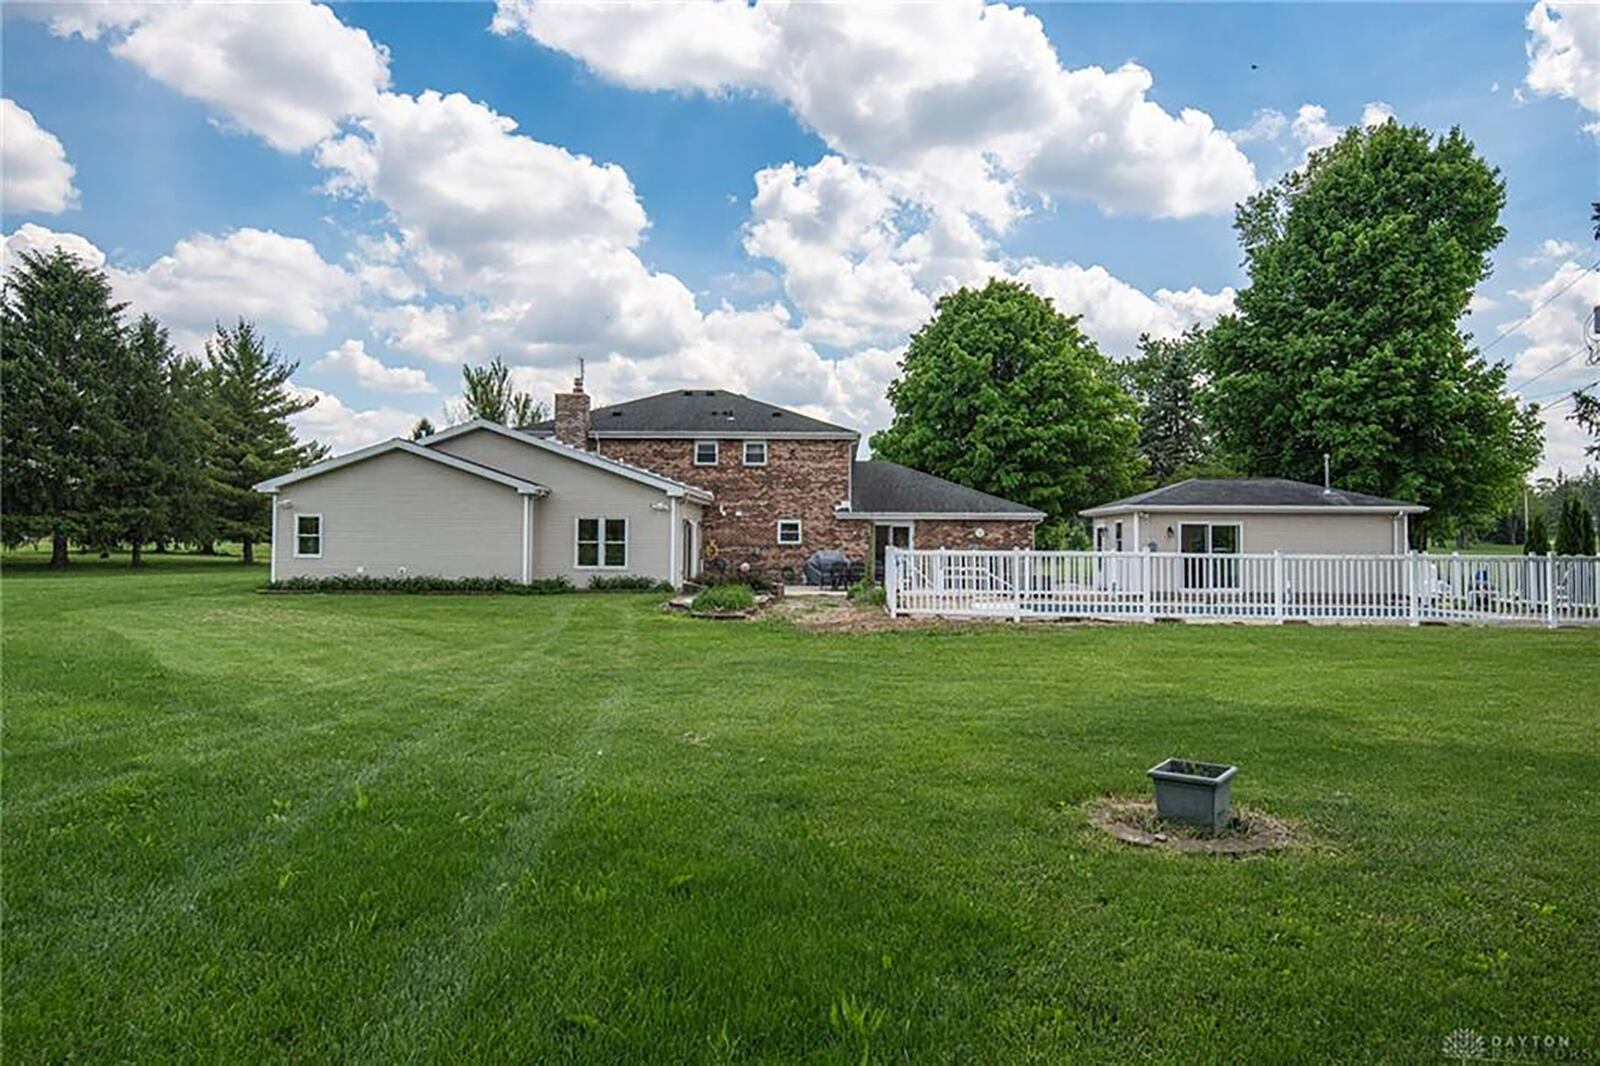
point(1346, 339)
point(61, 332)
point(1002, 392)
point(488, 393)
point(250, 405)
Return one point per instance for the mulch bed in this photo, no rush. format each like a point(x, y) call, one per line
point(1135, 822)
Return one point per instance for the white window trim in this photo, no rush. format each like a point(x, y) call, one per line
point(298, 554)
point(716, 452)
point(1209, 527)
point(745, 452)
point(600, 557)
point(799, 532)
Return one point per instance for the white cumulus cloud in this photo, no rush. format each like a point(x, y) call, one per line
point(351, 358)
point(29, 237)
point(906, 88)
point(287, 71)
point(344, 428)
point(33, 164)
point(1564, 53)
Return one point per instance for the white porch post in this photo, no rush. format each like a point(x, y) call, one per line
point(891, 581)
point(1411, 587)
point(527, 538)
point(1144, 579)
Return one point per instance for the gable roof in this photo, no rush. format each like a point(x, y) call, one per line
point(879, 488)
point(395, 444)
point(701, 413)
point(1253, 494)
point(602, 462)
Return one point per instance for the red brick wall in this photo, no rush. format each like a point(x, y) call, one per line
point(803, 479)
point(997, 535)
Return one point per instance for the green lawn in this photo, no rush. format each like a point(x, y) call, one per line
point(240, 826)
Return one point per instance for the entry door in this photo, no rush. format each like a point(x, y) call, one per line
point(885, 536)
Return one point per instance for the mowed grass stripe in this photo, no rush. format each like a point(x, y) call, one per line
point(796, 846)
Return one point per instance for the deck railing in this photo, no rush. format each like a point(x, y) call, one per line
point(1277, 587)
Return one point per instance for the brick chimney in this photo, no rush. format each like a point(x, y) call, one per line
point(572, 415)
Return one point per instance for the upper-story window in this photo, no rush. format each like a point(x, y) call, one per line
point(755, 453)
point(705, 453)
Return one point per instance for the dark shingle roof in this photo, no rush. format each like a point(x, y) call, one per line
point(881, 487)
point(708, 412)
point(1250, 492)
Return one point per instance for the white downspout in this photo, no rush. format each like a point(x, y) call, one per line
point(674, 578)
point(272, 542)
point(527, 538)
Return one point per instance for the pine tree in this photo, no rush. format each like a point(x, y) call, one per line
point(488, 393)
point(1165, 381)
point(424, 428)
point(61, 331)
point(1538, 537)
point(1574, 529)
point(250, 408)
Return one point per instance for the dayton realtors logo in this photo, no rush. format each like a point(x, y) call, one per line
point(1469, 1045)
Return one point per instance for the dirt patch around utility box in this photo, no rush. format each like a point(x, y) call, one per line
point(1250, 832)
point(836, 614)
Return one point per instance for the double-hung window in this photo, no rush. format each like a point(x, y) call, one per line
point(788, 531)
point(602, 543)
point(308, 536)
point(705, 453)
point(755, 453)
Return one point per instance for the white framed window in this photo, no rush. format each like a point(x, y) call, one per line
point(755, 453)
point(308, 536)
point(705, 453)
point(1119, 536)
point(601, 543)
point(788, 531)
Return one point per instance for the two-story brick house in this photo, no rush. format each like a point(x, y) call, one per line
point(785, 484)
point(661, 487)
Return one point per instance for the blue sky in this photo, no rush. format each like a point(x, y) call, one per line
point(766, 199)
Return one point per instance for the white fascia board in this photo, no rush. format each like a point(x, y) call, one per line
point(1256, 508)
point(272, 485)
point(555, 447)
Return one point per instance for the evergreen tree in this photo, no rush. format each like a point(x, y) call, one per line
point(1574, 529)
point(1538, 537)
point(61, 332)
point(1346, 339)
point(1165, 381)
point(424, 428)
point(191, 516)
point(147, 452)
point(250, 407)
point(1002, 392)
point(488, 393)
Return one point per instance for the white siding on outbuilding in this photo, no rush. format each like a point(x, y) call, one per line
point(1323, 532)
point(399, 510)
point(580, 490)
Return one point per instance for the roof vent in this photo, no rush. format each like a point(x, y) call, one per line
point(777, 414)
point(616, 414)
point(711, 392)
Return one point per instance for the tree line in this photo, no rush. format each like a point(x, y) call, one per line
point(111, 437)
point(1345, 342)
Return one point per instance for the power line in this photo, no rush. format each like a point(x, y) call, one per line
point(1546, 303)
point(1553, 366)
point(1557, 392)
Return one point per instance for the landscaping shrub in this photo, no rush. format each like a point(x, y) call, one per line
point(421, 583)
point(752, 579)
point(868, 594)
point(725, 598)
point(627, 583)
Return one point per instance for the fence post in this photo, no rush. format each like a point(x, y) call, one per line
point(1016, 584)
point(1411, 586)
point(1277, 584)
point(1550, 589)
point(891, 581)
point(1144, 581)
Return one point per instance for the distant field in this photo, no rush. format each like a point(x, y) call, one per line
point(241, 826)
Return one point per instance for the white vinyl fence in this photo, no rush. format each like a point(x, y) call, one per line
point(1276, 587)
